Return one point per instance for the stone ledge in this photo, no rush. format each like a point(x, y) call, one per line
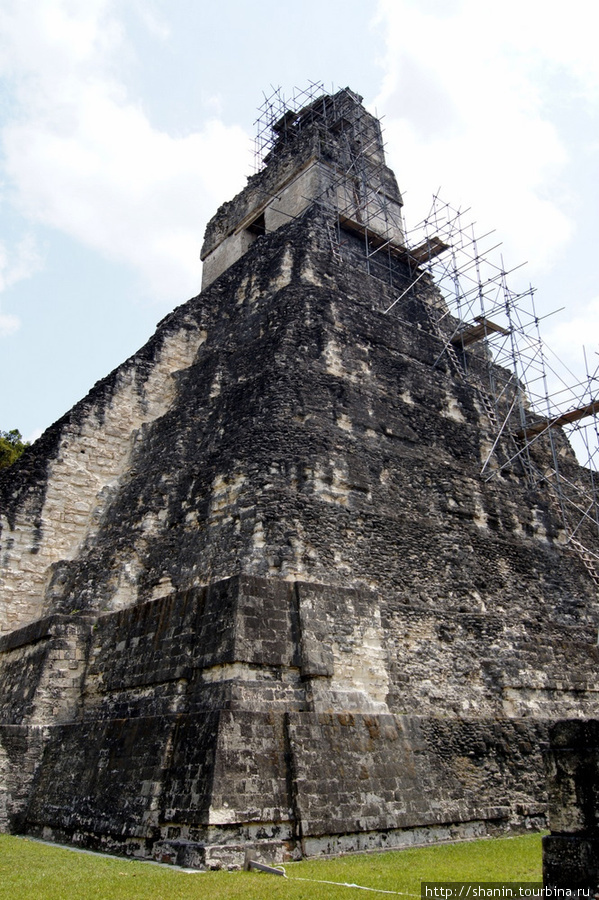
point(40, 629)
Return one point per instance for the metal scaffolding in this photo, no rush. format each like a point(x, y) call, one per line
point(530, 399)
point(489, 333)
point(359, 194)
point(278, 113)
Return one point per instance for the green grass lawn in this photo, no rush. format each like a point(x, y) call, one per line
point(33, 871)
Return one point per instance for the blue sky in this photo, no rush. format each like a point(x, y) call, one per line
point(124, 125)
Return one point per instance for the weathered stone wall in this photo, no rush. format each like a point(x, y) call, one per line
point(365, 579)
point(571, 851)
point(389, 774)
point(291, 782)
point(293, 448)
point(43, 665)
point(256, 592)
point(254, 643)
point(55, 503)
point(314, 160)
point(213, 719)
point(21, 749)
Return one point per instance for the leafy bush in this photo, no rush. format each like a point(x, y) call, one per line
point(12, 446)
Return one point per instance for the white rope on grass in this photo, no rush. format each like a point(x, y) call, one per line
point(359, 886)
point(280, 870)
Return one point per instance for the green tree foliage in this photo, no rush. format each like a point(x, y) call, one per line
point(12, 446)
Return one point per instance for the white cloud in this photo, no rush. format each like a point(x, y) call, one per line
point(8, 325)
point(84, 158)
point(17, 262)
point(485, 99)
point(467, 95)
point(152, 20)
point(565, 338)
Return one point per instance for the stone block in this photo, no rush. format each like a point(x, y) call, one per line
point(571, 862)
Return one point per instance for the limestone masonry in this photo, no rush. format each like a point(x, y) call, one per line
point(571, 851)
point(255, 594)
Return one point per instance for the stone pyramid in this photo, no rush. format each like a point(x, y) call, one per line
point(255, 595)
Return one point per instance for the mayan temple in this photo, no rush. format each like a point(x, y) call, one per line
point(296, 579)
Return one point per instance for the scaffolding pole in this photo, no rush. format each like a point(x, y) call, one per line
point(483, 325)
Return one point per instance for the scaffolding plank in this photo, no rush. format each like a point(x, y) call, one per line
point(574, 415)
point(432, 247)
point(473, 333)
